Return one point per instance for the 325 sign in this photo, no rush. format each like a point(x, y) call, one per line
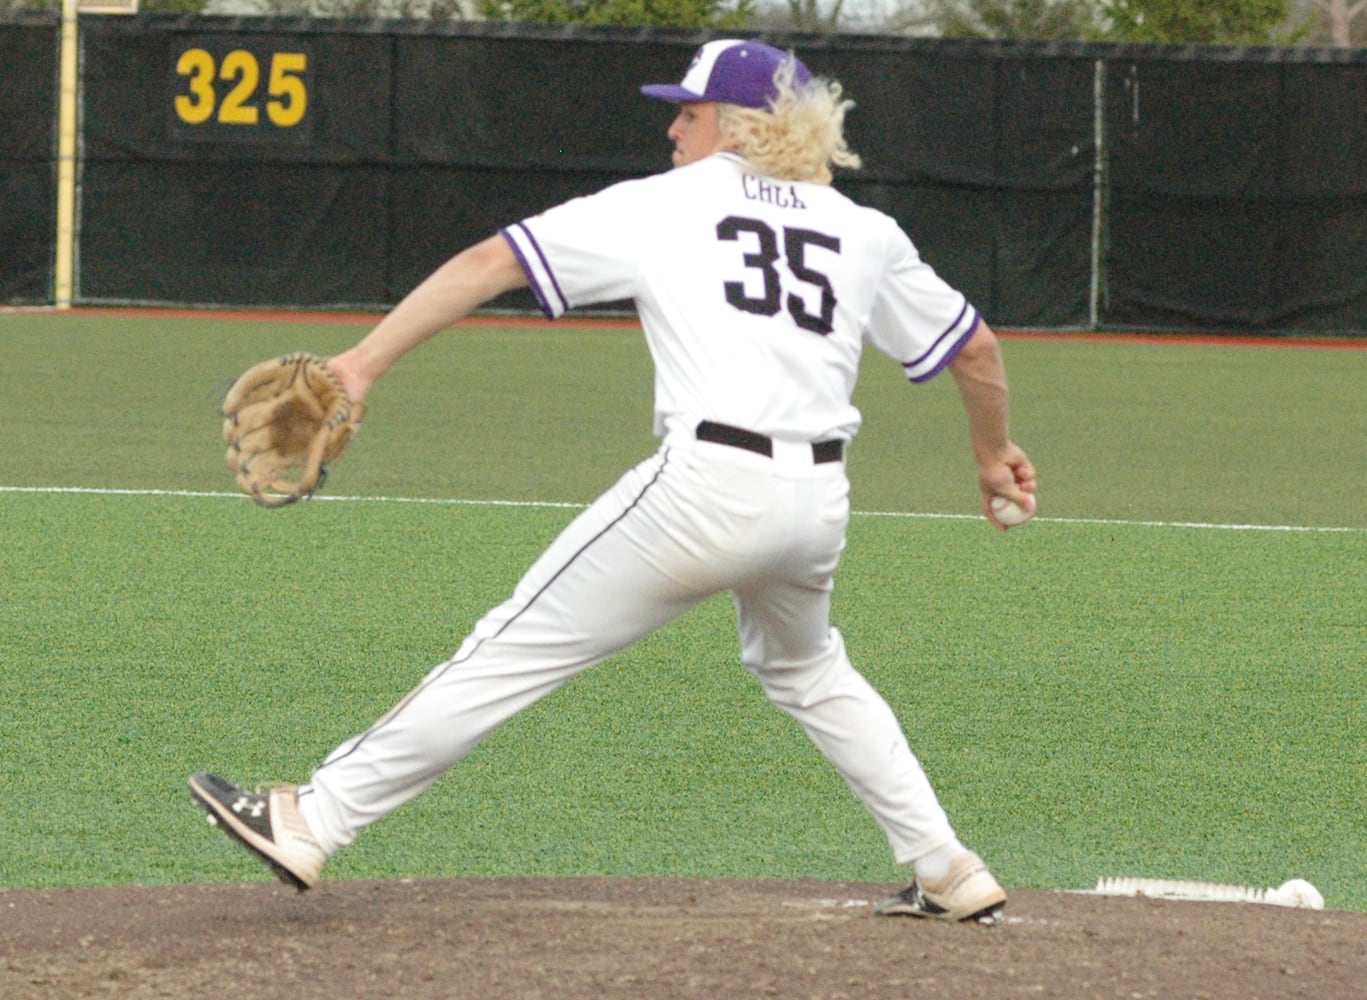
point(223, 90)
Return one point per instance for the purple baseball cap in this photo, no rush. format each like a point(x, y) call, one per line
point(731, 71)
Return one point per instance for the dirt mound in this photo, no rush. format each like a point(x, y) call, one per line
point(632, 937)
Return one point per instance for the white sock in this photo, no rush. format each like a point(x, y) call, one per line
point(935, 865)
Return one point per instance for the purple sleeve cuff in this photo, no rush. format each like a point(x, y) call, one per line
point(537, 269)
point(946, 346)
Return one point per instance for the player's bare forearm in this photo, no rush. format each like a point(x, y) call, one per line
point(449, 294)
point(981, 379)
point(980, 375)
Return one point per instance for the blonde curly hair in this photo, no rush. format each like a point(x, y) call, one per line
point(800, 136)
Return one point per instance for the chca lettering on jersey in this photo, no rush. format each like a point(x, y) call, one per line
point(778, 195)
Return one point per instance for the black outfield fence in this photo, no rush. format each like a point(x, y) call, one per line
point(324, 163)
point(28, 157)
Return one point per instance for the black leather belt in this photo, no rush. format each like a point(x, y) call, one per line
point(763, 444)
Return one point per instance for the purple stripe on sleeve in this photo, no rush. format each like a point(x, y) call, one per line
point(538, 271)
point(945, 348)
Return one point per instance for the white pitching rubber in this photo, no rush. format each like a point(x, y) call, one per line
point(1295, 893)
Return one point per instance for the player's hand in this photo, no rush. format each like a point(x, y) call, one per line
point(347, 368)
point(1010, 474)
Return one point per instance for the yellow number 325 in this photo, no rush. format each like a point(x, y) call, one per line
point(288, 98)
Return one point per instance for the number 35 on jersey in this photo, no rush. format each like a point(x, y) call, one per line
point(782, 259)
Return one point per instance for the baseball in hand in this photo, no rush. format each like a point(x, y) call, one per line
point(1010, 513)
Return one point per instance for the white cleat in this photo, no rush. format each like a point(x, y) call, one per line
point(266, 823)
point(967, 892)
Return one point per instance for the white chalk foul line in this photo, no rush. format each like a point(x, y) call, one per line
point(213, 495)
point(911, 515)
point(1207, 525)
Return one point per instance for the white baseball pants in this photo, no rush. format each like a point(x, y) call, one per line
point(694, 519)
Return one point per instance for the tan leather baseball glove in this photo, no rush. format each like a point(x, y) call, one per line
point(284, 420)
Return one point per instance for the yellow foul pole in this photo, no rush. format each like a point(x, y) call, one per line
point(66, 160)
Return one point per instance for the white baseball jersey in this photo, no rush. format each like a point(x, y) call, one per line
point(756, 295)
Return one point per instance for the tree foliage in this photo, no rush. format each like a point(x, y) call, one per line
point(1334, 22)
point(814, 15)
point(631, 13)
point(1053, 19)
point(1197, 22)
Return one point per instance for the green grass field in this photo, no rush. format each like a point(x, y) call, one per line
point(1164, 676)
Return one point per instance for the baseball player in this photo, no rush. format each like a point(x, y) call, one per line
point(757, 285)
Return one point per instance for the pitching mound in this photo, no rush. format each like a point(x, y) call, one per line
point(656, 938)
